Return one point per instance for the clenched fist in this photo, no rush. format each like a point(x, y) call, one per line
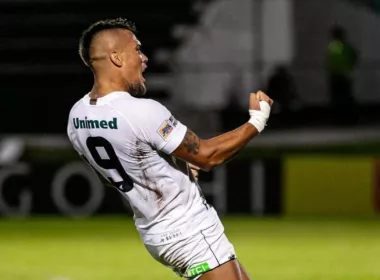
point(259, 109)
point(255, 98)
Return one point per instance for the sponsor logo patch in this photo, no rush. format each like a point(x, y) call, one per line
point(165, 129)
point(198, 269)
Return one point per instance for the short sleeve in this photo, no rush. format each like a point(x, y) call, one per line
point(160, 129)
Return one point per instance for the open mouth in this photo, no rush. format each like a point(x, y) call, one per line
point(142, 76)
point(143, 68)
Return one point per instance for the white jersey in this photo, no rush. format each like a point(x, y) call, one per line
point(129, 141)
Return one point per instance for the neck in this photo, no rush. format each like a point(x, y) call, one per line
point(104, 85)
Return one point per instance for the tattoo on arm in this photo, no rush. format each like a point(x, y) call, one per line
point(191, 142)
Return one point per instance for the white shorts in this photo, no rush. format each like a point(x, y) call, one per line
point(204, 250)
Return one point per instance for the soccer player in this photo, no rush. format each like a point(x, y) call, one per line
point(137, 146)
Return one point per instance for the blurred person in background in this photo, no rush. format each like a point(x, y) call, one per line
point(342, 59)
point(282, 88)
point(232, 114)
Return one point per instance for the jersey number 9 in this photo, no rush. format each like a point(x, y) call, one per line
point(111, 163)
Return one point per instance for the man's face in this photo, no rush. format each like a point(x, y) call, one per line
point(134, 65)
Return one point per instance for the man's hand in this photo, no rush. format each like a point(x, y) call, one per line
point(261, 96)
point(194, 170)
point(259, 109)
point(254, 102)
point(255, 98)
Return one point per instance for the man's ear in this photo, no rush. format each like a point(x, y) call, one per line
point(116, 58)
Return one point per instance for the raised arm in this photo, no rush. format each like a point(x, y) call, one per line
point(212, 152)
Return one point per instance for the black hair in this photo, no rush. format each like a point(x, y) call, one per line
point(89, 34)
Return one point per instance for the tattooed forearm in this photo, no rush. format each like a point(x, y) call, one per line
point(206, 154)
point(191, 142)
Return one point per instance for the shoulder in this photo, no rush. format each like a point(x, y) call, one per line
point(76, 105)
point(135, 103)
point(73, 109)
point(137, 107)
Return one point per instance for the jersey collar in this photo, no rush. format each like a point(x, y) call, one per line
point(106, 98)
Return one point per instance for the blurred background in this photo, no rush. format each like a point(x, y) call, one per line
point(301, 201)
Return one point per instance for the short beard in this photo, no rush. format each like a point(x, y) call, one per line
point(136, 89)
